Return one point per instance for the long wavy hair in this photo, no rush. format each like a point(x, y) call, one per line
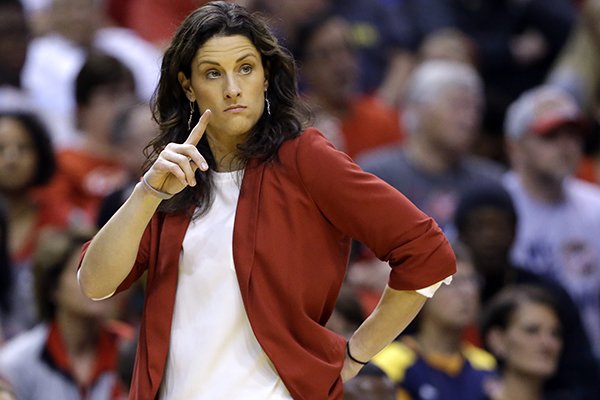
point(171, 107)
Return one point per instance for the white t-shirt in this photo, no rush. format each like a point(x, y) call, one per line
point(561, 242)
point(213, 352)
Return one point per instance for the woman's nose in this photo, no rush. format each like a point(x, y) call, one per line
point(233, 88)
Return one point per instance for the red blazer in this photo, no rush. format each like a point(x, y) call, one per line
point(294, 222)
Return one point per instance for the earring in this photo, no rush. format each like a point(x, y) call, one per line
point(191, 116)
point(268, 105)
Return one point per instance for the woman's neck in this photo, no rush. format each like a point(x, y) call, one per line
point(225, 155)
point(517, 386)
point(435, 339)
point(80, 337)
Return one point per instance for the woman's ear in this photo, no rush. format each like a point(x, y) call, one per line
point(186, 85)
point(496, 341)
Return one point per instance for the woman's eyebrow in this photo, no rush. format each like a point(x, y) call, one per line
point(211, 62)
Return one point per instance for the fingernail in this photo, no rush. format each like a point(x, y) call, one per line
point(204, 166)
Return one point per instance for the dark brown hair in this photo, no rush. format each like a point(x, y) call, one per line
point(171, 107)
point(51, 256)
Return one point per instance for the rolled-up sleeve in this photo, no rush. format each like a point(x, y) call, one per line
point(369, 210)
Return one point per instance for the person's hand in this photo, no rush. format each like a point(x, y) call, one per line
point(176, 165)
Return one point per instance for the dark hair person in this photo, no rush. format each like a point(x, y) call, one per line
point(243, 222)
point(522, 328)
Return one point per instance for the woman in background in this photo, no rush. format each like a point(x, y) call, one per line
point(521, 327)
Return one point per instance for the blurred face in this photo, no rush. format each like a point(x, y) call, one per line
point(489, 232)
point(451, 120)
point(551, 157)
point(532, 343)
point(140, 129)
point(228, 78)
point(456, 305)
point(69, 298)
point(76, 19)
point(18, 156)
point(330, 68)
point(97, 116)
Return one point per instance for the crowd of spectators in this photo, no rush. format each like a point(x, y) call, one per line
point(485, 114)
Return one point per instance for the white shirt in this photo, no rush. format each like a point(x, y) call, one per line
point(560, 242)
point(214, 353)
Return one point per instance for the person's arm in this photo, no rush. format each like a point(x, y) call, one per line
point(374, 213)
point(113, 251)
point(396, 309)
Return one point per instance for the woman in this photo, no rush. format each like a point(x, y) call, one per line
point(26, 164)
point(73, 353)
point(244, 227)
point(521, 327)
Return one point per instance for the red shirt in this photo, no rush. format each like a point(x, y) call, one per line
point(291, 242)
point(82, 180)
point(370, 124)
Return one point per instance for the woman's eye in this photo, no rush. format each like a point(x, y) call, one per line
point(246, 69)
point(212, 74)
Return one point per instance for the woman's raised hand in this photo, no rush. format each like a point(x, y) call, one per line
point(176, 165)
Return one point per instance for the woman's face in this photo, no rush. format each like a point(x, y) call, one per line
point(456, 305)
point(18, 156)
point(532, 342)
point(228, 78)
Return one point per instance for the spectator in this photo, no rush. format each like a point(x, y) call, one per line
point(442, 111)
point(131, 131)
point(72, 354)
point(385, 43)
point(54, 59)
point(354, 123)
point(521, 328)
point(435, 363)
point(558, 214)
point(90, 169)
point(27, 163)
point(441, 115)
point(486, 221)
point(516, 43)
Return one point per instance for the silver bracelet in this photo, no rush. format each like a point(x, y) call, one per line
point(154, 192)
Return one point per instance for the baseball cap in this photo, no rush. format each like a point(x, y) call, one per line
point(540, 111)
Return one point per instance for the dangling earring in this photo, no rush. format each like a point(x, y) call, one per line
point(268, 105)
point(191, 116)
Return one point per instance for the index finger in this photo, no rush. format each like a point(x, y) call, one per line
point(198, 131)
